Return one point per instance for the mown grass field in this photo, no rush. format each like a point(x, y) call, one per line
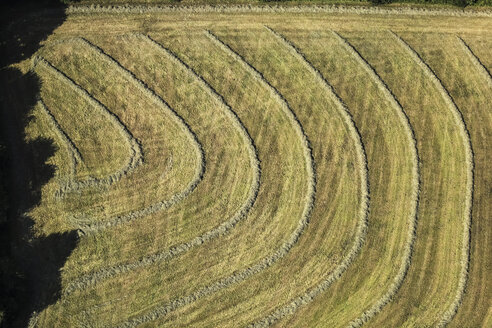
point(268, 169)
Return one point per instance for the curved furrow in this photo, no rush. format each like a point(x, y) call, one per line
point(199, 153)
point(463, 130)
point(361, 232)
point(135, 156)
point(413, 217)
point(222, 229)
point(244, 274)
point(75, 156)
point(476, 61)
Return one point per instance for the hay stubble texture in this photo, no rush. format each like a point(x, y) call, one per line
point(268, 169)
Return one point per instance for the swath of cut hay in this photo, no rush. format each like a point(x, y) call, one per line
point(106, 273)
point(75, 156)
point(200, 167)
point(260, 49)
point(351, 66)
point(213, 107)
point(92, 307)
point(309, 296)
point(475, 107)
point(476, 61)
point(135, 150)
point(413, 217)
point(364, 208)
point(404, 67)
point(287, 124)
point(279, 253)
point(154, 165)
point(460, 122)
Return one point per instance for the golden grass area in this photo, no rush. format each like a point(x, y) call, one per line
point(256, 169)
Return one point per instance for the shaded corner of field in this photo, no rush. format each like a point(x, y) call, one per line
point(29, 264)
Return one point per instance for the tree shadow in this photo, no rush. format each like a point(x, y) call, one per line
point(29, 266)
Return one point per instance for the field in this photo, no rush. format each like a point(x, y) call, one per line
point(285, 169)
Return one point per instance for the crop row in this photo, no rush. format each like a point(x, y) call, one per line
point(226, 226)
point(463, 130)
point(200, 167)
point(106, 273)
point(75, 156)
point(476, 61)
point(287, 245)
point(412, 219)
point(135, 149)
point(362, 165)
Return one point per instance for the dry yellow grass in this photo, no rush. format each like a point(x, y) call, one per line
point(397, 69)
point(284, 169)
point(469, 89)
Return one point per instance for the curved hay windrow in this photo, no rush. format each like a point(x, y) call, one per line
point(443, 177)
point(363, 212)
point(476, 61)
point(225, 149)
point(75, 156)
point(383, 123)
point(448, 315)
point(170, 164)
point(109, 272)
point(412, 225)
point(274, 126)
point(244, 274)
point(315, 291)
point(200, 167)
point(393, 177)
point(459, 73)
point(135, 156)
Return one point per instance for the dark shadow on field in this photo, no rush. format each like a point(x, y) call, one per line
point(29, 265)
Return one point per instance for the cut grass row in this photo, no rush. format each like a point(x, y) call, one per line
point(476, 61)
point(134, 149)
point(245, 302)
point(465, 135)
point(212, 142)
point(478, 294)
point(406, 257)
point(106, 273)
point(413, 217)
point(259, 148)
point(71, 148)
point(71, 116)
point(329, 186)
point(468, 88)
point(271, 55)
point(41, 126)
point(410, 184)
point(263, 44)
point(263, 291)
point(177, 120)
point(361, 231)
point(153, 174)
point(443, 168)
point(286, 246)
